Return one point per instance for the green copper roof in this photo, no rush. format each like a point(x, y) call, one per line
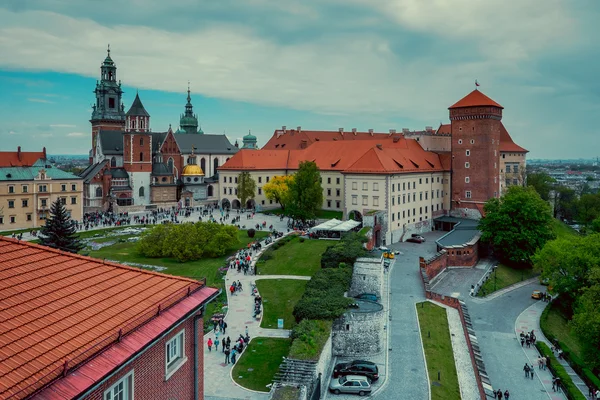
point(29, 173)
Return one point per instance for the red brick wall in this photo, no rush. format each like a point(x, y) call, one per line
point(132, 141)
point(482, 125)
point(446, 300)
point(435, 265)
point(149, 370)
point(466, 256)
point(170, 149)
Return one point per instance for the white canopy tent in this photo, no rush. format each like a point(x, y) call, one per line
point(326, 226)
point(345, 226)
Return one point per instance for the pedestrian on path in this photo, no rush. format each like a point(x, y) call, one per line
point(526, 369)
point(540, 363)
point(233, 354)
point(223, 344)
point(227, 352)
point(499, 394)
point(506, 394)
point(532, 371)
point(224, 327)
point(598, 394)
point(209, 343)
point(217, 344)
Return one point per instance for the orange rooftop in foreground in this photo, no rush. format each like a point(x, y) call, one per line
point(77, 327)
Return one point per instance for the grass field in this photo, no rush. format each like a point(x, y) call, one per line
point(555, 322)
point(206, 267)
point(505, 276)
point(562, 230)
point(294, 258)
point(279, 298)
point(260, 362)
point(435, 335)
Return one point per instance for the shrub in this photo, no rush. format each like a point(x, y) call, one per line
point(309, 338)
point(324, 295)
point(251, 232)
point(559, 371)
point(301, 240)
point(345, 251)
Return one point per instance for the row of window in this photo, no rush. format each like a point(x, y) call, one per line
point(514, 168)
point(41, 188)
point(28, 217)
point(338, 204)
point(337, 181)
point(43, 202)
point(406, 213)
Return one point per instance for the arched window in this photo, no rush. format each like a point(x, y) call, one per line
point(113, 162)
point(216, 165)
point(141, 141)
point(132, 124)
point(210, 191)
point(170, 164)
point(141, 156)
point(142, 123)
point(203, 164)
point(98, 192)
point(141, 191)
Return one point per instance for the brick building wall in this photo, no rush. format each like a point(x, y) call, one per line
point(435, 265)
point(170, 150)
point(134, 145)
point(149, 370)
point(463, 256)
point(476, 141)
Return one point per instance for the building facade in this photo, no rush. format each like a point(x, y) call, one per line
point(131, 166)
point(411, 176)
point(135, 335)
point(28, 188)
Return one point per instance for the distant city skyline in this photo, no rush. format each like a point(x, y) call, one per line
point(321, 65)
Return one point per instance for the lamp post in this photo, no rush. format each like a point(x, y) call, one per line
point(495, 276)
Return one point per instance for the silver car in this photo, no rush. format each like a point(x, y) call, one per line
point(350, 384)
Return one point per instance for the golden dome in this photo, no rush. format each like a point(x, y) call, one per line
point(192, 169)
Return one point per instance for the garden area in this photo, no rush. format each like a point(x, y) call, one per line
point(279, 299)
point(299, 257)
point(260, 362)
point(435, 335)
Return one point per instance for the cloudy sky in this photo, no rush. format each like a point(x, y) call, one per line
point(319, 64)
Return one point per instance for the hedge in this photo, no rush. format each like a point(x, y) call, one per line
point(571, 391)
point(575, 362)
point(309, 338)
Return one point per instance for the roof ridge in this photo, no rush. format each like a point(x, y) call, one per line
point(97, 260)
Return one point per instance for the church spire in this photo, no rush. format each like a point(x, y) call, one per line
point(189, 121)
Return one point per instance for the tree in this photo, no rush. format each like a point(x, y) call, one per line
point(586, 319)
point(517, 224)
point(566, 263)
point(565, 204)
point(246, 188)
point(595, 226)
point(59, 231)
point(306, 193)
point(542, 183)
point(588, 208)
point(278, 189)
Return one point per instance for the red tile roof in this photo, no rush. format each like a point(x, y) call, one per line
point(57, 307)
point(474, 99)
point(444, 129)
point(295, 140)
point(363, 156)
point(20, 158)
point(507, 144)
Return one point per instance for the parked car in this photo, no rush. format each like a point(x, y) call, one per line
point(416, 239)
point(367, 296)
point(357, 367)
point(536, 294)
point(350, 384)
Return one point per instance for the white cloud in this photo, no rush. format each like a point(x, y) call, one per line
point(330, 75)
point(77, 134)
point(12, 132)
point(35, 100)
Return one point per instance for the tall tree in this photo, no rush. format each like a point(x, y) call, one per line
point(517, 224)
point(59, 231)
point(278, 189)
point(306, 193)
point(588, 208)
point(246, 188)
point(542, 183)
point(565, 204)
point(586, 319)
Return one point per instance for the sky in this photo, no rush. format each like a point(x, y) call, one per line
point(320, 64)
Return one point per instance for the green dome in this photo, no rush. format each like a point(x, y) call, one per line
point(250, 137)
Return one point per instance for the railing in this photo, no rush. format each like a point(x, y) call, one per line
point(82, 355)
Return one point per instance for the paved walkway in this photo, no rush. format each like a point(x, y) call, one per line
point(528, 320)
point(218, 383)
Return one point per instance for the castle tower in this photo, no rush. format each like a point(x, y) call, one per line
point(249, 141)
point(137, 151)
point(475, 125)
point(108, 113)
point(188, 122)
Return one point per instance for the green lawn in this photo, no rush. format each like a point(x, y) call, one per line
point(279, 298)
point(435, 335)
point(294, 258)
point(260, 362)
point(309, 342)
point(557, 324)
point(207, 267)
point(505, 276)
point(562, 230)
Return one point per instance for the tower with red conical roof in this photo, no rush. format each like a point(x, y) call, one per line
point(476, 129)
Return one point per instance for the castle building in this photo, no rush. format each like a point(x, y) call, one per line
point(134, 167)
point(412, 177)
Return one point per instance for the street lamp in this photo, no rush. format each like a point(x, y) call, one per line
point(495, 276)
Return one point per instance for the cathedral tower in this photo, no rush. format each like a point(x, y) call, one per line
point(108, 113)
point(188, 123)
point(476, 127)
point(137, 151)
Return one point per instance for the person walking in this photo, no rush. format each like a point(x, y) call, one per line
point(209, 343)
point(223, 344)
point(506, 394)
point(227, 352)
point(224, 327)
point(216, 342)
point(526, 369)
point(532, 369)
point(499, 394)
point(233, 354)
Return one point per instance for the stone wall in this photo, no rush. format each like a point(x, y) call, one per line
point(434, 265)
point(469, 213)
point(324, 365)
point(358, 334)
point(367, 277)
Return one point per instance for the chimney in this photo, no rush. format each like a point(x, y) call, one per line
point(354, 131)
point(283, 128)
point(299, 129)
point(392, 131)
point(341, 131)
point(405, 130)
point(371, 132)
point(380, 146)
point(19, 153)
point(44, 151)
